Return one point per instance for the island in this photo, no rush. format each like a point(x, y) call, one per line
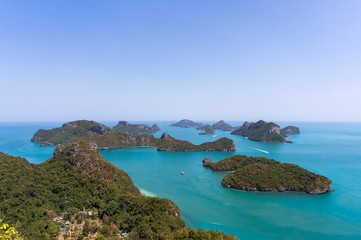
point(264, 174)
point(168, 143)
point(186, 123)
point(208, 129)
point(78, 189)
point(262, 131)
point(135, 128)
point(106, 138)
point(289, 130)
point(222, 125)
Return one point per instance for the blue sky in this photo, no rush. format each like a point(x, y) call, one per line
point(168, 60)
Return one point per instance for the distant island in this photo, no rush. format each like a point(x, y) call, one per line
point(264, 174)
point(186, 123)
point(135, 128)
point(78, 189)
point(168, 143)
point(106, 138)
point(222, 125)
point(208, 129)
point(265, 132)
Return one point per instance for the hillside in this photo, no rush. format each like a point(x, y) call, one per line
point(261, 131)
point(264, 174)
point(105, 138)
point(135, 128)
point(222, 125)
point(33, 194)
point(207, 129)
point(168, 143)
point(186, 123)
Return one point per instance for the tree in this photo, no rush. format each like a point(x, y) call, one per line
point(8, 233)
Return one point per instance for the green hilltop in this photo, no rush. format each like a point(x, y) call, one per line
point(77, 177)
point(107, 138)
point(135, 128)
point(264, 174)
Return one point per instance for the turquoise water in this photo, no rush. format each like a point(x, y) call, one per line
point(330, 149)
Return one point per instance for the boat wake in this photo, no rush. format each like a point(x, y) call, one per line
point(260, 150)
point(147, 193)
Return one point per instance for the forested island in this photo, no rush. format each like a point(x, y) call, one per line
point(78, 189)
point(186, 123)
point(264, 174)
point(208, 129)
point(265, 132)
point(222, 125)
point(106, 138)
point(135, 128)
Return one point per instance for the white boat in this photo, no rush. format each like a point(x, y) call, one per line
point(182, 172)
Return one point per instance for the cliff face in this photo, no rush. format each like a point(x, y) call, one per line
point(261, 131)
point(264, 174)
point(186, 123)
point(135, 128)
point(222, 126)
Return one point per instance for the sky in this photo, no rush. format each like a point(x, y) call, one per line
point(168, 60)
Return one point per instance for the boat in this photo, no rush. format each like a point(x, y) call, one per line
point(182, 172)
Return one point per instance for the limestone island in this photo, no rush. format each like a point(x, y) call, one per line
point(135, 128)
point(264, 174)
point(222, 125)
point(186, 123)
point(106, 138)
point(264, 132)
point(168, 143)
point(78, 187)
point(208, 129)
point(289, 130)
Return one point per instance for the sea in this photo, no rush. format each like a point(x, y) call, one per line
point(329, 149)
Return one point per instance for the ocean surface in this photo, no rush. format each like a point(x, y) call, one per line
point(330, 149)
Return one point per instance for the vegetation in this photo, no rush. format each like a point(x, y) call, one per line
point(8, 233)
point(168, 143)
point(191, 233)
point(290, 130)
point(222, 126)
point(264, 174)
point(77, 177)
point(261, 131)
point(105, 138)
point(207, 129)
point(52, 196)
point(135, 128)
point(185, 123)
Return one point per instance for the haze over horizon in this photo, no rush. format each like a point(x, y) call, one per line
point(170, 60)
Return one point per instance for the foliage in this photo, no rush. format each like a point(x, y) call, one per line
point(87, 180)
point(191, 233)
point(264, 174)
point(261, 131)
point(222, 126)
point(8, 233)
point(208, 129)
point(135, 128)
point(186, 123)
point(169, 143)
point(106, 139)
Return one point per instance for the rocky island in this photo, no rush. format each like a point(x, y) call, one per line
point(222, 125)
point(208, 129)
point(78, 186)
point(264, 174)
point(168, 143)
point(264, 132)
point(186, 123)
point(289, 130)
point(106, 138)
point(135, 128)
